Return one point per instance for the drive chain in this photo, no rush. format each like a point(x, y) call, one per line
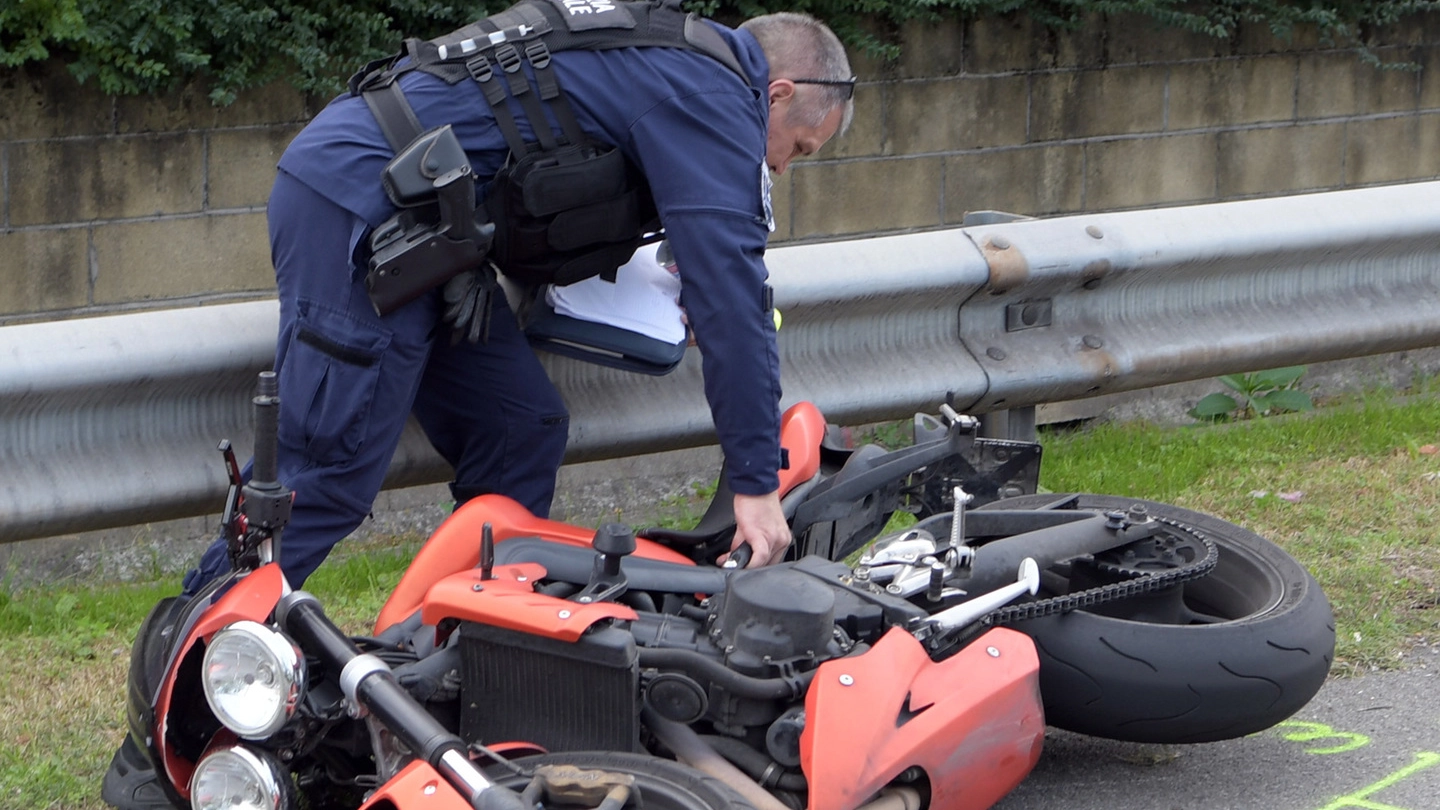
point(1141, 583)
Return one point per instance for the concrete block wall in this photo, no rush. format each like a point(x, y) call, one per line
point(1119, 114)
point(110, 204)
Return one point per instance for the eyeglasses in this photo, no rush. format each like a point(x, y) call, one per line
point(848, 84)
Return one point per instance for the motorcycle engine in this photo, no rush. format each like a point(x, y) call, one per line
point(771, 619)
point(735, 665)
point(766, 631)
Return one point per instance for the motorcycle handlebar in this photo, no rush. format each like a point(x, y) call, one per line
point(740, 557)
point(369, 683)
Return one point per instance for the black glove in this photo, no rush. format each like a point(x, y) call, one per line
point(467, 304)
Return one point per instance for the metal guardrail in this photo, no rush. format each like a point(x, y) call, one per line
point(113, 421)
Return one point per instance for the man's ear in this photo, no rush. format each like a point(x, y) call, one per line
point(781, 90)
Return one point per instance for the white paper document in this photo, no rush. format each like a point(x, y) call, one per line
point(644, 298)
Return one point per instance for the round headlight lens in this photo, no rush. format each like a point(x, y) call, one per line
point(253, 677)
point(238, 779)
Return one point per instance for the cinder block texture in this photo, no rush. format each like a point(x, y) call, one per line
point(838, 199)
point(1341, 84)
point(1090, 103)
point(181, 258)
point(45, 101)
point(1281, 159)
point(931, 49)
point(1392, 150)
point(190, 108)
point(1255, 37)
point(1138, 172)
point(1018, 43)
point(1001, 45)
point(1230, 92)
point(87, 179)
point(952, 114)
point(866, 136)
point(43, 270)
point(1032, 181)
point(1429, 77)
point(241, 164)
point(1140, 39)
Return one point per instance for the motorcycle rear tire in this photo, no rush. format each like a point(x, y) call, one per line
point(664, 784)
point(1127, 679)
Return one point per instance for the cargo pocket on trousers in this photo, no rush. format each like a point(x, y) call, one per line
point(327, 383)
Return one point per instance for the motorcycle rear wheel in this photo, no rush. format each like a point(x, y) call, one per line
point(664, 784)
point(1255, 646)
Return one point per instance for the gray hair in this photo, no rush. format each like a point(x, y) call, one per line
point(798, 46)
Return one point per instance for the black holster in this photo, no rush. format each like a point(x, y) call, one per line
point(438, 233)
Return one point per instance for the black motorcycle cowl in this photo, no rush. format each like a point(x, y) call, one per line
point(131, 781)
point(149, 659)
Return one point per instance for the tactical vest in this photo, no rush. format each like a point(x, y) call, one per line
point(565, 207)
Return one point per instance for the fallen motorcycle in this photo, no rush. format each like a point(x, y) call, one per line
point(527, 662)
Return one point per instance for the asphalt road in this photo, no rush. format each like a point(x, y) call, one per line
point(1364, 743)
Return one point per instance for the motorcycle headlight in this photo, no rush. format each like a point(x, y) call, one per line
point(240, 779)
point(253, 677)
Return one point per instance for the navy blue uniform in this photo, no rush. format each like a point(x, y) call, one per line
point(349, 379)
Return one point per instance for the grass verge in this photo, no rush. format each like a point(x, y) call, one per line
point(1352, 491)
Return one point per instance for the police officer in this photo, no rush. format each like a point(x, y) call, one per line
point(705, 139)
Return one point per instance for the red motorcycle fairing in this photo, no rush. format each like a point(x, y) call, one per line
point(455, 545)
point(455, 548)
point(252, 597)
point(508, 599)
point(972, 722)
point(417, 786)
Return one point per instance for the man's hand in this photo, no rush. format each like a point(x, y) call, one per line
point(759, 522)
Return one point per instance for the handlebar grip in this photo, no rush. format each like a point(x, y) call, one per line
point(267, 401)
point(740, 557)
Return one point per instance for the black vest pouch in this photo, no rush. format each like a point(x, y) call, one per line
point(568, 214)
point(547, 183)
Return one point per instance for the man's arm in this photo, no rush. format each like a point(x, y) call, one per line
point(704, 158)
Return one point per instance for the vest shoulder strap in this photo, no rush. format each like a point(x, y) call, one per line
point(490, 51)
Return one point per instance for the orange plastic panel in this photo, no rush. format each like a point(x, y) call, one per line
point(254, 598)
point(973, 722)
point(802, 427)
point(455, 547)
point(508, 600)
point(418, 786)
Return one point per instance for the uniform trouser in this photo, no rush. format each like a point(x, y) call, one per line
point(349, 380)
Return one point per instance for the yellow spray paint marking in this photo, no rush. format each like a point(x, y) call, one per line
point(1360, 798)
point(1310, 732)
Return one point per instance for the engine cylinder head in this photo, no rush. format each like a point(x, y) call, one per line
point(772, 615)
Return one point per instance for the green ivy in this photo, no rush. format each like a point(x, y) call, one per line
point(147, 46)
